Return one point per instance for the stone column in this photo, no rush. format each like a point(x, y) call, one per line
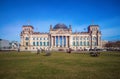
point(78, 41)
point(51, 41)
point(91, 42)
point(63, 41)
point(30, 42)
point(58, 41)
point(99, 41)
point(66, 42)
point(23, 41)
point(69, 40)
point(55, 41)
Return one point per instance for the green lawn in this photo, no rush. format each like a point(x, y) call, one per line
point(27, 65)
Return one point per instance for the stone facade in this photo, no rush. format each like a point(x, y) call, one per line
point(60, 37)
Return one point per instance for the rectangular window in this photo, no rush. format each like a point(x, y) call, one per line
point(76, 38)
point(81, 43)
point(95, 44)
point(47, 43)
point(37, 43)
point(73, 43)
point(87, 43)
point(88, 38)
point(73, 38)
point(26, 43)
point(77, 43)
point(44, 43)
point(84, 43)
point(40, 43)
point(33, 43)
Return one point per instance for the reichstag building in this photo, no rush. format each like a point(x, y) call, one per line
point(60, 36)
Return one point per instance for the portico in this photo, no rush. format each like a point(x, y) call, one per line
point(60, 41)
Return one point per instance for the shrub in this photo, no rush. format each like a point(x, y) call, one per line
point(60, 49)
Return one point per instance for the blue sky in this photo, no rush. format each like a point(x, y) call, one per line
point(41, 13)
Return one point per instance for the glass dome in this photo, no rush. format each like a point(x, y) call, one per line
point(60, 26)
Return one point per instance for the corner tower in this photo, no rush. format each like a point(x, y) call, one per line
point(27, 31)
point(95, 35)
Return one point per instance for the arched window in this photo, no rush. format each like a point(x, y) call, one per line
point(26, 38)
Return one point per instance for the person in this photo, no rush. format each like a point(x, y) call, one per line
point(42, 50)
point(38, 51)
point(48, 52)
point(18, 49)
point(69, 50)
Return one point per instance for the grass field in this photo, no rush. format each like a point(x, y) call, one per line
point(27, 65)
